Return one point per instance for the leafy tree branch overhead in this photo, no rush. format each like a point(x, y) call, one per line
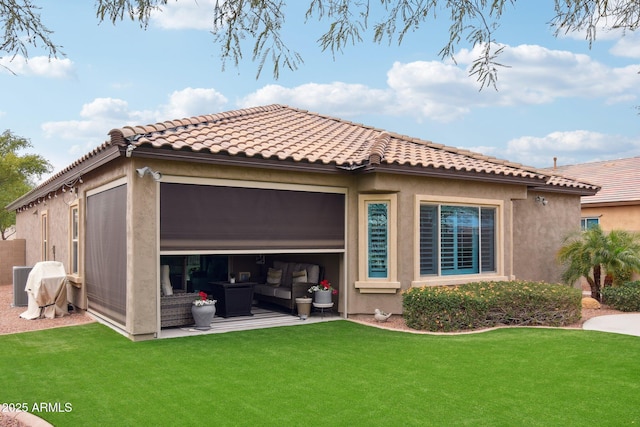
point(349, 22)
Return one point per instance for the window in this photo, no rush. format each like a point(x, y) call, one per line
point(586, 223)
point(377, 251)
point(378, 239)
point(456, 240)
point(45, 235)
point(75, 240)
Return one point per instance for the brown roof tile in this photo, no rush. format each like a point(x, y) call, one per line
point(286, 133)
point(290, 134)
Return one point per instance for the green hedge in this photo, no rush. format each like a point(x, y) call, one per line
point(489, 304)
point(623, 298)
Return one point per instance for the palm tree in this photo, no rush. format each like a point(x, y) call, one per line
point(591, 252)
point(623, 257)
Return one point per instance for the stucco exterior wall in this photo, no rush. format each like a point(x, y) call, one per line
point(144, 245)
point(407, 189)
point(615, 217)
point(28, 227)
point(528, 233)
point(538, 234)
point(142, 260)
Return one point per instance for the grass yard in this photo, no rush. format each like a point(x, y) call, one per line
point(334, 373)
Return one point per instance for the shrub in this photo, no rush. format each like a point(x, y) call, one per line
point(488, 304)
point(624, 298)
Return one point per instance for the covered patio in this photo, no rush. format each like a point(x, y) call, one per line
point(262, 318)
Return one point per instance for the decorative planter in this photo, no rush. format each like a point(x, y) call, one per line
point(322, 297)
point(304, 307)
point(203, 316)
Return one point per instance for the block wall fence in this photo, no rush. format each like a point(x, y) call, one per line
point(12, 253)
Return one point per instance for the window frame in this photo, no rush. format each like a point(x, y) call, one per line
point(498, 248)
point(44, 235)
point(75, 244)
point(368, 283)
point(584, 222)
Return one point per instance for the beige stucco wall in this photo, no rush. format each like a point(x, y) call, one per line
point(144, 199)
point(536, 229)
point(29, 227)
point(539, 231)
point(615, 217)
point(408, 188)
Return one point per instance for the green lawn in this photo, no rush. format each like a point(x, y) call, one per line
point(334, 373)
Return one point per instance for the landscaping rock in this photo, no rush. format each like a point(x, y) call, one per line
point(589, 302)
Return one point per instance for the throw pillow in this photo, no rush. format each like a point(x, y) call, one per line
point(299, 276)
point(167, 290)
point(274, 277)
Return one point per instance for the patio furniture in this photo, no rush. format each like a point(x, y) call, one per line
point(234, 299)
point(287, 281)
point(175, 310)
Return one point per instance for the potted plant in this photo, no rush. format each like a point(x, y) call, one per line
point(304, 307)
point(203, 310)
point(322, 292)
point(232, 278)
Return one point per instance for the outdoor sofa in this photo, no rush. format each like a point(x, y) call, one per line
point(287, 281)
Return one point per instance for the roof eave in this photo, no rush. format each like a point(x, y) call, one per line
point(610, 203)
point(74, 173)
point(454, 173)
point(237, 160)
point(567, 190)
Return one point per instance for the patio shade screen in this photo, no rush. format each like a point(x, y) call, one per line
point(204, 217)
point(106, 253)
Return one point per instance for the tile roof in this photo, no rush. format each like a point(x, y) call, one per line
point(619, 179)
point(286, 134)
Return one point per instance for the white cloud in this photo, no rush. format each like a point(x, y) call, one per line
point(628, 46)
point(420, 89)
point(603, 32)
point(103, 114)
point(570, 147)
point(341, 99)
point(431, 90)
point(444, 92)
point(40, 66)
point(98, 117)
point(537, 75)
point(185, 14)
point(193, 102)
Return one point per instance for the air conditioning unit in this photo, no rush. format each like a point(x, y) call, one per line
point(20, 276)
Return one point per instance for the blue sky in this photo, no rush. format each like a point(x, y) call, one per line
point(558, 98)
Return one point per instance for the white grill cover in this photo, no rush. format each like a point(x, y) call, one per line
point(47, 291)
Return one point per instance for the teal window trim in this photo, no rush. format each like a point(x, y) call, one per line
point(378, 239)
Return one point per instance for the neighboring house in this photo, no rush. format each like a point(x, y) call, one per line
point(232, 192)
point(617, 204)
